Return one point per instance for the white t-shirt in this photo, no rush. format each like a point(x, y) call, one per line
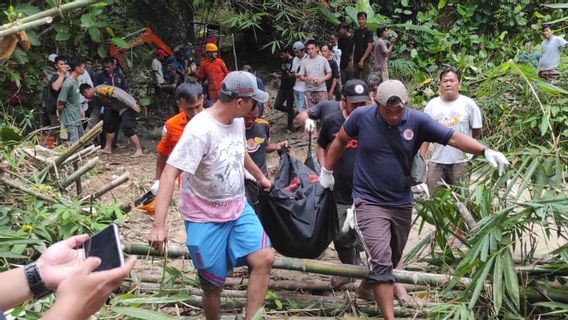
point(462, 115)
point(300, 85)
point(211, 156)
point(157, 70)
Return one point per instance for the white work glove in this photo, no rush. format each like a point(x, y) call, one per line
point(326, 179)
point(424, 189)
point(496, 159)
point(349, 223)
point(154, 187)
point(309, 125)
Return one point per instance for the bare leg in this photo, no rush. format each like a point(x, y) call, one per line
point(260, 264)
point(108, 143)
point(211, 303)
point(383, 293)
point(138, 148)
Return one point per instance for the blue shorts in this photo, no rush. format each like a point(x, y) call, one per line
point(215, 248)
point(299, 100)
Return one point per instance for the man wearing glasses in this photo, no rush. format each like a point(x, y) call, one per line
point(223, 230)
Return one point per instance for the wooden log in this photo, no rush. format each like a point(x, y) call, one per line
point(15, 185)
point(52, 12)
point(86, 138)
point(106, 188)
point(76, 176)
point(78, 186)
point(82, 154)
point(17, 27)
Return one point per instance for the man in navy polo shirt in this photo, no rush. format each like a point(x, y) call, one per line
point(382, 197)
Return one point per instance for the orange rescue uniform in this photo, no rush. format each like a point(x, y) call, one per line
point(172, 133)
point(214, 71)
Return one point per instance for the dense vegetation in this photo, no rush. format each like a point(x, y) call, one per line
point(525, 117)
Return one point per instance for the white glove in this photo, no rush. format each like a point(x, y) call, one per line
point(424, 189)
point(496, 159)
point(154, 187)
point(326, 178)
point(349, 223)
point(309, 125)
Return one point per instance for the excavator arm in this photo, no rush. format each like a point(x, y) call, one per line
point(145, 36)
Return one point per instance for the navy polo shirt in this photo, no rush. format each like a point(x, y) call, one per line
point(378, 176)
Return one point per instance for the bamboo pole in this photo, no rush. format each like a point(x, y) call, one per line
point(86, 138)
point(76, 176)
point(106, 188)
point(313, 266)
point(82, 154)
point(15, 185)
point(17, 27)
point(49, 13)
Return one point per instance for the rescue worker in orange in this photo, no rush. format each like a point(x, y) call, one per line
point(189, 98)
point(212, 70)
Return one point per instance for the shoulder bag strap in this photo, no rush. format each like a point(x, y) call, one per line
point(394, 147)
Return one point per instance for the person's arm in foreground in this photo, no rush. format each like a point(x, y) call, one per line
point(159, 234)
point(271, 147)
point(253, 169)
point(83, 291)
point(467, 144)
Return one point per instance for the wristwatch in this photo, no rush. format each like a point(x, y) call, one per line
point(37, 286)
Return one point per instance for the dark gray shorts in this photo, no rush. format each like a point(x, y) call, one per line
point(451, 173)
point(384, 231)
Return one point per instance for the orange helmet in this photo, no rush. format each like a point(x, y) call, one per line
point(211, 47)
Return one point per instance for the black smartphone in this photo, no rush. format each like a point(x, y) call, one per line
point(105, 245)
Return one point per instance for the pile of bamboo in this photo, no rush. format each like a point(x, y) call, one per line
point(317, 297)
point(59, 171)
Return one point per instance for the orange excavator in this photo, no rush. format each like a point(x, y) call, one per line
point(144, 36)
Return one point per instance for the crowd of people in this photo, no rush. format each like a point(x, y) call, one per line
point(215, 146)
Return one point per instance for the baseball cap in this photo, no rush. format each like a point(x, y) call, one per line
point(391, 88)
point(242, 84)
point(298, 45)
point(52, 57)
point(356, 90)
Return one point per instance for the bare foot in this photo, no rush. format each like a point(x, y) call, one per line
point(105, 151)
point(338, 282)
point(364, 291)
point(401, 295)
point(138, 154)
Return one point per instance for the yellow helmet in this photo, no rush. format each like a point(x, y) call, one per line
point(211, 47)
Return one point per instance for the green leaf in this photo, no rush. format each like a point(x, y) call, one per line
point(155, 300)
point(87, 21)
point(95, 34)
point(259, 314)
point(139, 313)
point(10, 135)
point(10, 255)
point(102, 51)
point(145, 101)
point(557, 5)
point(26, 9)
point(123, 44)
point(441, 4)
point(34, 38)
point(480, 282)
point(404, 3)
point(510, 277)
point(497, 285)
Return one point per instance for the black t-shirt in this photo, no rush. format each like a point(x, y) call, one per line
point(287, 80)
point(258, 138)
point(50, 97)
point(323, 109)
point(334, 73)
point(343, 171)
point(361, 39)
point(346, 47)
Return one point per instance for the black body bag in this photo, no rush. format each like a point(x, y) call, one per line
point(298, 214)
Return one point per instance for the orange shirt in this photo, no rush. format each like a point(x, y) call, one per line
point(172, 133)
point(212, 71)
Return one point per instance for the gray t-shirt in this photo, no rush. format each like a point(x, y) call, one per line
point(380, 55)
point(315, 68)
point(299, 85)
point(462, 115)
point(157, 71)
point(551, 51)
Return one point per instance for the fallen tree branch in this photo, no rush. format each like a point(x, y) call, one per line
point(15, 185)
point(75, 176)
point(106, 188)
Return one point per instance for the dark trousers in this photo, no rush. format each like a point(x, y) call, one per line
point(286, 96)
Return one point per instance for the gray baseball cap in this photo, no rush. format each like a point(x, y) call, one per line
point(52, 57)
point(391, 88)
point(242, 84)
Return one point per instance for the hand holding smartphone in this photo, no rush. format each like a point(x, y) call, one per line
point(106, 245)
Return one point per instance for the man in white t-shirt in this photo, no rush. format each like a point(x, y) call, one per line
point(223, 230)
point(460, 113)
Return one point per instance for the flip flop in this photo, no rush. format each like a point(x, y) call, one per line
point(136, 155)
point(105, 152)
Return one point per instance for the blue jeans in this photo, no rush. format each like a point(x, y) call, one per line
point(299, 100)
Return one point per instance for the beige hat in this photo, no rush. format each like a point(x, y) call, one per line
point(391, 88)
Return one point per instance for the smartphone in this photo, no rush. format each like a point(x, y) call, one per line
point(105, 245)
